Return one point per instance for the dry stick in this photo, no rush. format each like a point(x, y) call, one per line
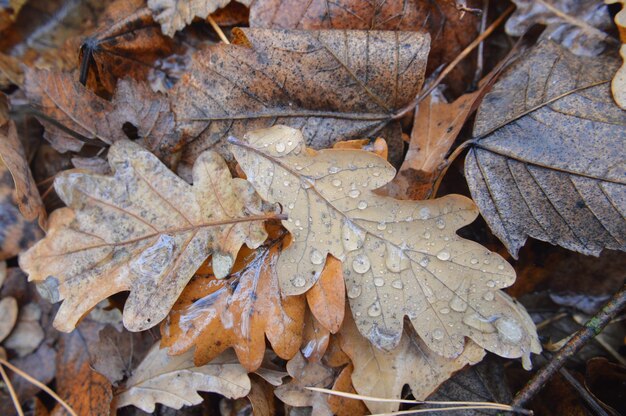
point(14, 398)
point(411, 106)
point(480, 59)
point(39, 384)
point(218, 30)
point(592, 328)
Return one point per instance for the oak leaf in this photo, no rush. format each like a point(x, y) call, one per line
point(549, 163)
point(451, 30)
point(618, 85)
point(237, 312)
point(174, 380)
point(334, 85)
point(72, 114)
point(579, 26)
point(327, 297)
point(9, 312)
point(400, 258)
point(143, 229)
point(342, 406)
point(175, 15)
point(384, 373)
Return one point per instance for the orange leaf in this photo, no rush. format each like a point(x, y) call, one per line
point(327, 297)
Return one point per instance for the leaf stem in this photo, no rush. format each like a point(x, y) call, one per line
point(218, 30)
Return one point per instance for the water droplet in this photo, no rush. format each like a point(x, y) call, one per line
point(304, 184)
point(474, 261)
point(381, 226)
point(352, 236)
point(336, 182)
point(376, 174)
point(424, 261)
point(397, 284)
point(491, 283)
point(298, 281)
point(287, 183)
point(500, 266)
point(361, 264)
point(291, 205)
point(426, 235)
point(486, 261)
point(317, 257)
point(354, 193)
point(379, 282)
point(396, 260)
point(280, 147)
point(488, 296)
point(458, 304)
point(440, 223)
point(362, 205)
point(299, 167)
point(438, 334)
point(354, 292)
point(509, 330)
point(374, 310)
point(444, 311)
point(443, 255)
point(424, 213)
point(333, 169)
point(478, 322)
point(298, 223)
point(154, 260)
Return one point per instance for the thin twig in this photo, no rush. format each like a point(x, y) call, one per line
point(39, 384)
point(481, 46)
point(411, 106)
point(14, 398)
point(592, 328)
point(217, 29)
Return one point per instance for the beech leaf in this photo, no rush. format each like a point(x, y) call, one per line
point(143, 229)
point(550, 163)
point(400, 258)
point(238, 312)
point(174, 15)
point(174, 380)
point(334, 85)
point(384, 373)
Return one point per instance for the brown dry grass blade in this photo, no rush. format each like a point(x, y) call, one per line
point(549, 163)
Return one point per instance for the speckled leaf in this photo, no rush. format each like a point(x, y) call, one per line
point(550, 162)
point(213, 315)
point(174, 380)
point(384, 373)
point(144, 230)
point(174, 15)
point(334, 85)
point(400, 258)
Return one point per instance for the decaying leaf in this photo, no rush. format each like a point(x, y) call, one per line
point(72, 114)
point(16, 233)
point(580, 26)
point(27, 334)
point(342, 406)
point(8, 11)
point(400, 258)
point(175, 15)
point(8, 314)
point(451, 29)
point(334, 85)
point(306, 374)
point(618, 86)
point(237, 312)
point(315, 338)
point(327, 297)
point(85, 390)
point(550, 163)
point(143, 229)
point(175, 380)
point(14, 157)
point(383, 373)
point(127, 42)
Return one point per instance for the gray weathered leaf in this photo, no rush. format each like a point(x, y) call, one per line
point(549, 161)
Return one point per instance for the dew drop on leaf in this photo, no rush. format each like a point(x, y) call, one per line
point(316, 257)
point(509, 330)
point(361, 264)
